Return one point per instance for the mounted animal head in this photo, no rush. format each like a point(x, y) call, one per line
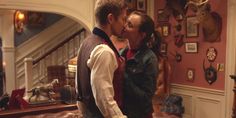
point(211, 22)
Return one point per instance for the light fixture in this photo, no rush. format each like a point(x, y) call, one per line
point(19, 21)
point(72, 64)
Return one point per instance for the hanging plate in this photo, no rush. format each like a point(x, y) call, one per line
point(211, 54)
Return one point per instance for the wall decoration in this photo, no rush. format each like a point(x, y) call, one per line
point(211, 54)
point(163, 48)
point(210, 21)
point(142, 5)
point(178, 57)
point(191, 47)
point(220, 67)
point(164, 29)
point(161, 17)
point(131, 6)
point(190, 74)
point(36, 19)
point(179, 42)
point(210, 73)
point(192, 28)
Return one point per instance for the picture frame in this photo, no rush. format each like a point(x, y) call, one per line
point(161, 17)
point(35, 19)
point(164, 29)
point(163, 48)
point(190, 74)
point(191, 47)
point(141, 5)
point(192, 27)
point(131, 4)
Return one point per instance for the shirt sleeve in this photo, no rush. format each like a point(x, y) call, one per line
point(102, 63)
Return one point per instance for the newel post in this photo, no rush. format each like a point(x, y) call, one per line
point(234, 100)
point(28, 75)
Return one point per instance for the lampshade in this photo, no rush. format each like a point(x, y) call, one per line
point(72, 64)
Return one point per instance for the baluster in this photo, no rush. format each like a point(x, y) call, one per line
point(234, 102)
point(28, 63)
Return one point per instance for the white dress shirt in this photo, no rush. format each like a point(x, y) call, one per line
point(103, 63)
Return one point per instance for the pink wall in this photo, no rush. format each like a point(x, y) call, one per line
point(195, 60)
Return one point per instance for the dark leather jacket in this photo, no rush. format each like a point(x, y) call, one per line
point(140, 83)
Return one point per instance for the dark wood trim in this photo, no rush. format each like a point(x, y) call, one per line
point(36, 110)
point(58, 46)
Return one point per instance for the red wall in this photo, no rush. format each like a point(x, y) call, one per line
point(195, 60)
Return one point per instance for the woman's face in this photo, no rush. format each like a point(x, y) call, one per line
point(132, 33)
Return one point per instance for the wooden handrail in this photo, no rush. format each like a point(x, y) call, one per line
point(58, 46)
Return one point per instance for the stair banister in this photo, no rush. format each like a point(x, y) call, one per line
point(30, 62)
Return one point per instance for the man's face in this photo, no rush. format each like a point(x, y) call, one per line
point(118, 25)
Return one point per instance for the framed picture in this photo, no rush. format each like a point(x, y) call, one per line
point(164, 29)
point(190, 74)
point(36, 19)
point(192, 27)
point(142, 5)
point(163, 48)
point(131, 5)
point(161, 17)
point(191, 47)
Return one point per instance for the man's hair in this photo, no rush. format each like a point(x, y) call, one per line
point(105, 7)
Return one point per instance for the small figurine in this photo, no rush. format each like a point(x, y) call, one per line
point(4, 102)
point(44, 90)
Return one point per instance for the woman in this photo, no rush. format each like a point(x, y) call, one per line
point(141, 69)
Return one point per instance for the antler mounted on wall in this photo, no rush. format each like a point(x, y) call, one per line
point(211, 22)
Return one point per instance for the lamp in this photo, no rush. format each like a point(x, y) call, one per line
point(19, 21)
point(72, 64)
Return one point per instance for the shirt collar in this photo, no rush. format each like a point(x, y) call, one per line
point(106, 38)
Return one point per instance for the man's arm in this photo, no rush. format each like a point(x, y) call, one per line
point(103, 63)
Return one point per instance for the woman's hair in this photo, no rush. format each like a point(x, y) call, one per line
point(104, 7)
point(147, 26)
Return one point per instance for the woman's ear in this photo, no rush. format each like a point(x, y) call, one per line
point(143, 35)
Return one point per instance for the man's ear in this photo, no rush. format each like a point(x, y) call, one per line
point(110, 18)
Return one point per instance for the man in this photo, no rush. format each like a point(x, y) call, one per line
point(99, 76)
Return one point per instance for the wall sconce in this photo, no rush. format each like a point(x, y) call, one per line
point(19, 21)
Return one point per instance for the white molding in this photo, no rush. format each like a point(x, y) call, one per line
point(201, 102)
point(8, 49)
point(197, 89)
point(79, 10)
point(230, 56)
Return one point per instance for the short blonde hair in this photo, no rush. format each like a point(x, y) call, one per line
point(105, 7)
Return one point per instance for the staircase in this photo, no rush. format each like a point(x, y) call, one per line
point(54, 46)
